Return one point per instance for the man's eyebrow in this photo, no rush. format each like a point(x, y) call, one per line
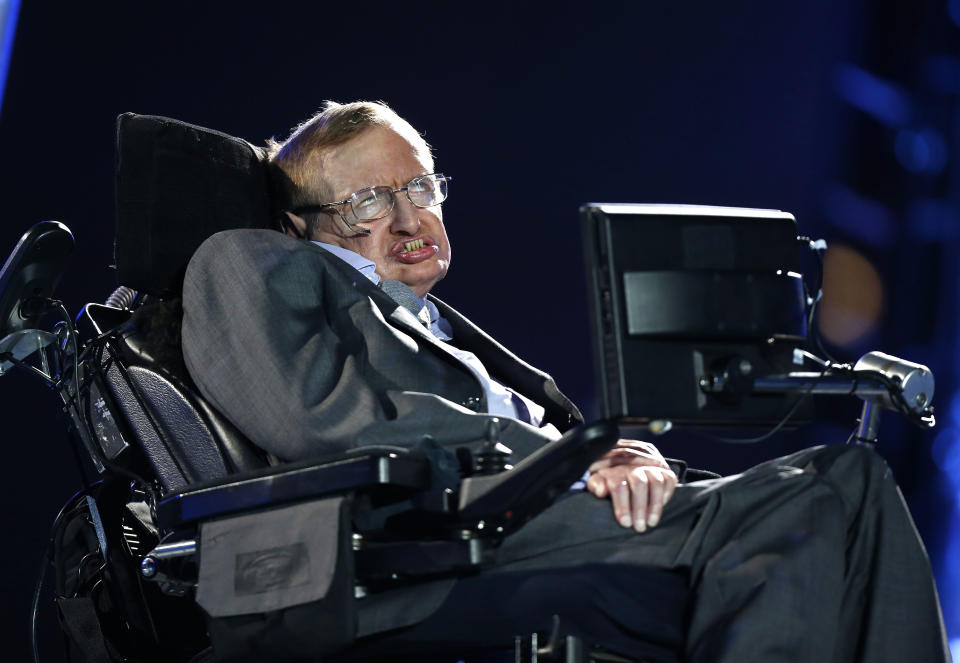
point(402, 184)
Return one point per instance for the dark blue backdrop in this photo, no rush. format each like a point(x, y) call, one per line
point(843, 113)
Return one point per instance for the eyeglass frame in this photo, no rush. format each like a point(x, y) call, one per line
point(354, 228)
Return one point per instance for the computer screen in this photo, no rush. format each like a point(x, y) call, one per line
point(681, 293)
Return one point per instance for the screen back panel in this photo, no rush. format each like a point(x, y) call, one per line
point(677, 292)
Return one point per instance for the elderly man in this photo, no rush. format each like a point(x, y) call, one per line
point(333, 342)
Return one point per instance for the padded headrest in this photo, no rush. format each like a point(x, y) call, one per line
point(177, 184)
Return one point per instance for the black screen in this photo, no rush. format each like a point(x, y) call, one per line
point(679, 293)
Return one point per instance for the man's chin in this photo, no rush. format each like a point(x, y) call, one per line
point(421, 284)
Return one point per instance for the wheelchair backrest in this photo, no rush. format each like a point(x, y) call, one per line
point(176, 184)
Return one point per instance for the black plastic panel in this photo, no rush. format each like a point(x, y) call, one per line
point(678, 292)
point(177, 184)
point(295, 482)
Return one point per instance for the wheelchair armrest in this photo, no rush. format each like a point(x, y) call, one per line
point(507, 499)
point(489, 506)
point(510, 498)
point(369, 467)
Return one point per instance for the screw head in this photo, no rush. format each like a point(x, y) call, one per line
point(148, 567)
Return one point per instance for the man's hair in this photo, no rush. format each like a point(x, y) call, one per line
point(297, 162)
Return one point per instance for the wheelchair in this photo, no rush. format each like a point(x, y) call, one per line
point(195, 545)
point(141, 569)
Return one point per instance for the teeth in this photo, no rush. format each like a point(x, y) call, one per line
point(413, 246)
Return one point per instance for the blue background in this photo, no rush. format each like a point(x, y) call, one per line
point(844, 113)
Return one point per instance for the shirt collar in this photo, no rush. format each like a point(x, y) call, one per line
point(354, 259)
point(438, 325)
point(429, 314)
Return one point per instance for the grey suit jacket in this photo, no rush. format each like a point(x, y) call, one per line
point(307, 357)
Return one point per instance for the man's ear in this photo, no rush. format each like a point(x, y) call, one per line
point(294, 226)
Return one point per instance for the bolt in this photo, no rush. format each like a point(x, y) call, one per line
point(920, 400)
point(148, 567)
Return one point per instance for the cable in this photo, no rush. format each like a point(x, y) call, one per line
point(72, 336)
point(98, 342)
point(783, 421)
point(35, 605)
point(138, 480)
point(42, 572)
point(852, 435)
point(818, 248)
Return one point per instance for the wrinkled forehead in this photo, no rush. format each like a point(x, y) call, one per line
point(377, 156)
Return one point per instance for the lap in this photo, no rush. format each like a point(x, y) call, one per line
point(775, 526)
point(812, 486)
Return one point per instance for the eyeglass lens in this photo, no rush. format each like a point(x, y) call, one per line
point(376, 202)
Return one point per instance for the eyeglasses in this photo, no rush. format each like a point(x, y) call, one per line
point(376, 202)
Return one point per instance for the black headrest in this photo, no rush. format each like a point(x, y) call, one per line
point(177, 184)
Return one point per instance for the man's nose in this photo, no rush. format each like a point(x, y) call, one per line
point(405, 218)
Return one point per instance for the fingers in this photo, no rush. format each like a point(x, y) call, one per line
point(630, 452)
point(637, 444)
point(670, 484)
point(655, 494)
point(660, 485)
point(638, 494)
point(640, 485)
point(597, 485)
point(618, 488)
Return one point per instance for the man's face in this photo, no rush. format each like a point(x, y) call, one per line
point(380, 156)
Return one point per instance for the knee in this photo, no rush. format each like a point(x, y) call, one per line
point(856, 473)
point(840, 459)
point(857, 459)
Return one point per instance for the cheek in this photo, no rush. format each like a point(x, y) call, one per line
point(366, 248)
point(445, 248)
point(359, 245)
point(440, 234)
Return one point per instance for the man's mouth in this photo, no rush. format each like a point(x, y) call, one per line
point(412, 246)
point(415, 250)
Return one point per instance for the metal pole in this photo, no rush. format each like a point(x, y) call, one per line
point(869, 424)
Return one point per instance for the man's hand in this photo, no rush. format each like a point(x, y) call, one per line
point(638, 481)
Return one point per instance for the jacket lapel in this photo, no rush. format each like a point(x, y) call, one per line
point(502, 364)
point(406, 322)
point(509, 369)
point(392, 312)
